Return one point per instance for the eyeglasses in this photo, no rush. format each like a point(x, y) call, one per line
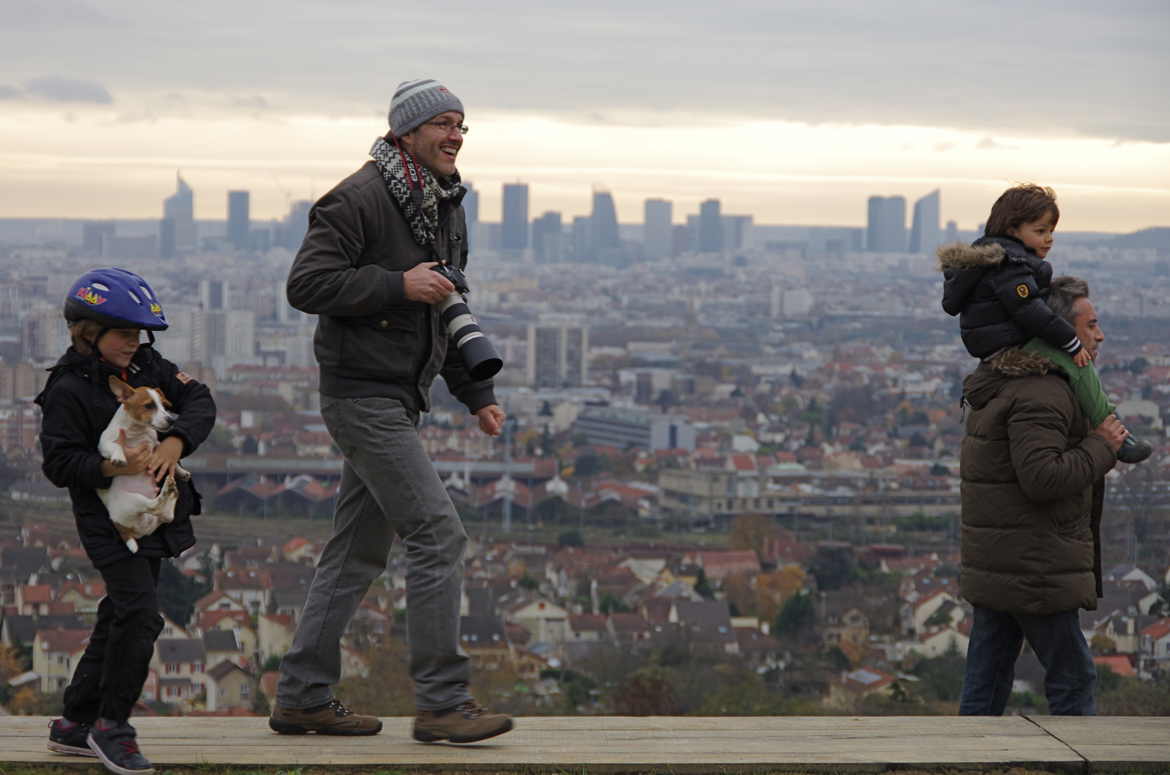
point(446, 126)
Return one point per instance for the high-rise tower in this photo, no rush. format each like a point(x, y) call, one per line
point(514, 220)
point(925, 234)
point(603, 221)
point(239, 223)
point(179, 209)
point(886, 228)
point(656, 228)
point(710, 227)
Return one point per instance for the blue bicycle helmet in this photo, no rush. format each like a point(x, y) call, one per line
point(116, 298)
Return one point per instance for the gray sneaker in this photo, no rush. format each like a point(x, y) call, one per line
point(69, 737)
point(117, 748)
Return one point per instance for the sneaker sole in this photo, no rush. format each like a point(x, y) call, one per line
point(286, 728)
point(70, 750)
point(109, 765)
point(427, 737)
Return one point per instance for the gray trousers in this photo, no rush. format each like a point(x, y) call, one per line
point(388, 486)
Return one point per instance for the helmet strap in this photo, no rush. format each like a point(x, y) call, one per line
point(94, 344)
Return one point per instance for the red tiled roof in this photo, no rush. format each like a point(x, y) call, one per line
point(742, 462)
point(315, 490)
point(61, 641)
point(292, 544)
point(1118, 663)
point(94, 590)
point(1158, 629)
point(36, 593)
point(209, 619)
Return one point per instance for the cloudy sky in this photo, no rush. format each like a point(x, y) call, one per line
point(792, 111)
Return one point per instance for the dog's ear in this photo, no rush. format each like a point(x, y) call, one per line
point(166, 402)
point(120, 389)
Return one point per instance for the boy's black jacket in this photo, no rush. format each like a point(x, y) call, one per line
point(76, 406)
point(997, 288)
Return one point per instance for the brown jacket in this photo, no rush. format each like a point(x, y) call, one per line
point(1032, 490)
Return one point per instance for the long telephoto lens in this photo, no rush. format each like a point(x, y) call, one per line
point(483, 362)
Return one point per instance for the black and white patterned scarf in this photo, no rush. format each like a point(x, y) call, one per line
point(421, 213)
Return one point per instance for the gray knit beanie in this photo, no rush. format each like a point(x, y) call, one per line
point(416, 102)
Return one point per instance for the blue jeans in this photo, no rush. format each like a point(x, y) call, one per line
point(996, 638)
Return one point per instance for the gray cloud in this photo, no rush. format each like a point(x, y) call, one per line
point(991, 67)
point(21, 16)
point(67, 90)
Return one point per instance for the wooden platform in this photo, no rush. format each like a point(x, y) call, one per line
point(655, 744)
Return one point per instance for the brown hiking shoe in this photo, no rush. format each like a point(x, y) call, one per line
point(465, 723)
point(332, 718)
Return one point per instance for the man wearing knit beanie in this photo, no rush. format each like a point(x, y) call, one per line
point(365, 270)
point(416, 102)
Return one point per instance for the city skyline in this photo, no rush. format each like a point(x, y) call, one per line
point(841, 99)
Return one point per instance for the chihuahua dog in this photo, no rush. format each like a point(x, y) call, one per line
point(136, 504)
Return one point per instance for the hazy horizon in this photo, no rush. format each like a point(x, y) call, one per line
point(794, 113)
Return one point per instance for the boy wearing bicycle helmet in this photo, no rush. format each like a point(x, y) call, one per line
point(107, 311)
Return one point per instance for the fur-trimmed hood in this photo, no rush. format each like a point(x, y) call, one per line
point(964, 267)
point(957, 256)
point(985, 382)
point(982, 253)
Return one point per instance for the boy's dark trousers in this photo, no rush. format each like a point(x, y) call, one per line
point(110, 675)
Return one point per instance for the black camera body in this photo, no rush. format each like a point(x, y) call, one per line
point(455, 275)
point(463, 331)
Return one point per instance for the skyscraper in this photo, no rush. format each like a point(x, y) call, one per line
point(558, 353)
point(925, 235)
point(886, 227)
point(214, 294)
point(710, 227)
point(603, 221)
point(179, 208)
point(582, 238)
point(514, 220)
point(682, 239)
point(656, 225)
point(239, 219)
point(166, 238)
point(546, 238)
point(737, 231)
